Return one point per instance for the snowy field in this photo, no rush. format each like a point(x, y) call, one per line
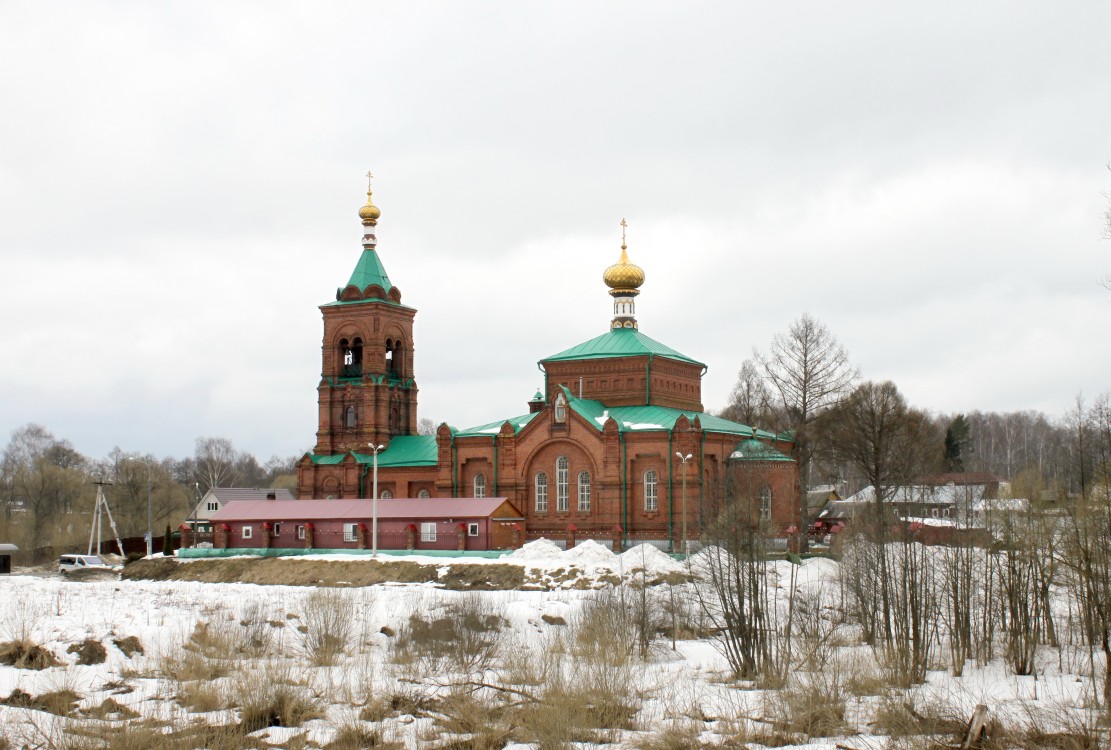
point(414, 665)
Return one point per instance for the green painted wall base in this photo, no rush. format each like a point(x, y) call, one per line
point(197, 552)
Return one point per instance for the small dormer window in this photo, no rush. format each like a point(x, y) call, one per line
point(560, 408)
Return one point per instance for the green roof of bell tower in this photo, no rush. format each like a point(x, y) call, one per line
point(369, 270)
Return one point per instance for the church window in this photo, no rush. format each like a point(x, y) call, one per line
point(389, 357)
point(563, 468)
point(424, 494)
point(765, 503)
point(349, 417)
point(560, 408)
point(387, 495)
point(480, 485)
point(352, 358)
point(541, 492)
point(584, 492)
point(651, 489)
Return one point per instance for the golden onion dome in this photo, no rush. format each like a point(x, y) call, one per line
point(369, 212)
point(623, 276)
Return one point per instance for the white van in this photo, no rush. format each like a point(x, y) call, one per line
point(70, 563)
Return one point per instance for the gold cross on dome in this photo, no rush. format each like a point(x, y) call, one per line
point(624, 225)
point(369, 177)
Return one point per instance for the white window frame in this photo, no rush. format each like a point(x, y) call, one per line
point(213, 506)
point(540, 484)
point(424, 495)
point(386, 495)
point(479, 485)
point(277, 529)
point(563, 477)
point(428, 531)
point(765, 503)
point(584, 492)
point(301, 531)
point(247, 532)
point(651, 491)
point(472, 529)
point(350, 533)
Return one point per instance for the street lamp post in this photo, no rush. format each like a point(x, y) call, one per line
point(150, 523)
point(374, 502)
point(684, 459)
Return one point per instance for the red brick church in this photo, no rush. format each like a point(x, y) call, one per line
point(601, 452)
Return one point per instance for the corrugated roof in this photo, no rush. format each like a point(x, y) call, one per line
point(620, 342)
point(493, 428)
point(648, 418)
point(395, 508)
point(228, 494)
point(404, 450)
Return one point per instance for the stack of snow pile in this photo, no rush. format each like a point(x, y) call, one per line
point(540, 549)
point(650, 559)
point(592, 553)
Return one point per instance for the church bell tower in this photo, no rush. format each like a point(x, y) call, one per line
point(367, 392)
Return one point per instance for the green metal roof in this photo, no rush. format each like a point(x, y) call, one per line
point(620, 342)
point(493, 428)
point(404, 450)
point(369, 270)
point(754, 450)
point(649, 418)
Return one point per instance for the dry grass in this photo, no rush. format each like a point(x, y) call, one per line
point(272, 698)
point(62, 702)
point(187, 666)
point(354, 736)
point(129, 645)
point(89, 651)
point(462, 644)
point(26, 654)
point(282, 571)
point(328, 626)
point(811, 705)
point(200, 697)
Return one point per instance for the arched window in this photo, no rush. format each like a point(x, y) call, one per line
point(479, 485)
point(584, 492)
point(765, 503)
point(563, 469)
point(424, 494)
point(387, 495)
point(349, 418)
point(541, 492)
point(651, 489)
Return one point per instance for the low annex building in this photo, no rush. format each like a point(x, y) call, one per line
point(616, 443)
point(417, 524)
point(200, 520)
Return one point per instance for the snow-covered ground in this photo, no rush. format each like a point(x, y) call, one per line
point(685, 687)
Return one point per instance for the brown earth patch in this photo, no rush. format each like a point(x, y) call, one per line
point(292, 571)
point(130, 645)
point(89, 651)
point(26, 655)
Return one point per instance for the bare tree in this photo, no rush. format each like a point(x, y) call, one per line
point(750, 400)
point(217, 463)
point(809, 371)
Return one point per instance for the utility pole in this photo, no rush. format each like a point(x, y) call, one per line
point(374, 502)
point(684, 459)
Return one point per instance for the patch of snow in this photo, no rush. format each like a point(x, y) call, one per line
point(650, 559)
point(541, 549)
point(591, 552)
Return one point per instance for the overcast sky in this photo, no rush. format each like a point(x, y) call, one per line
point(179, 185)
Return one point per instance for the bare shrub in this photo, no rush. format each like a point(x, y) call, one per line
point(811, 705)
point(214, 639)
point(581, 704)
point(258, 633)
point(272, 699)
point(674, 736)
point(329, 625)
point(464, 643)
point(186, 666)
point(611, 626)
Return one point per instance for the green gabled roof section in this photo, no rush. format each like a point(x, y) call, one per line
point(493, 428)
point(754, 450)
point(404, 450)
point(620, 342)
point(369, 270)
point(650, 418)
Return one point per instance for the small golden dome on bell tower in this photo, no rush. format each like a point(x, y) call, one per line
point(369, 213)
point(623, 278)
